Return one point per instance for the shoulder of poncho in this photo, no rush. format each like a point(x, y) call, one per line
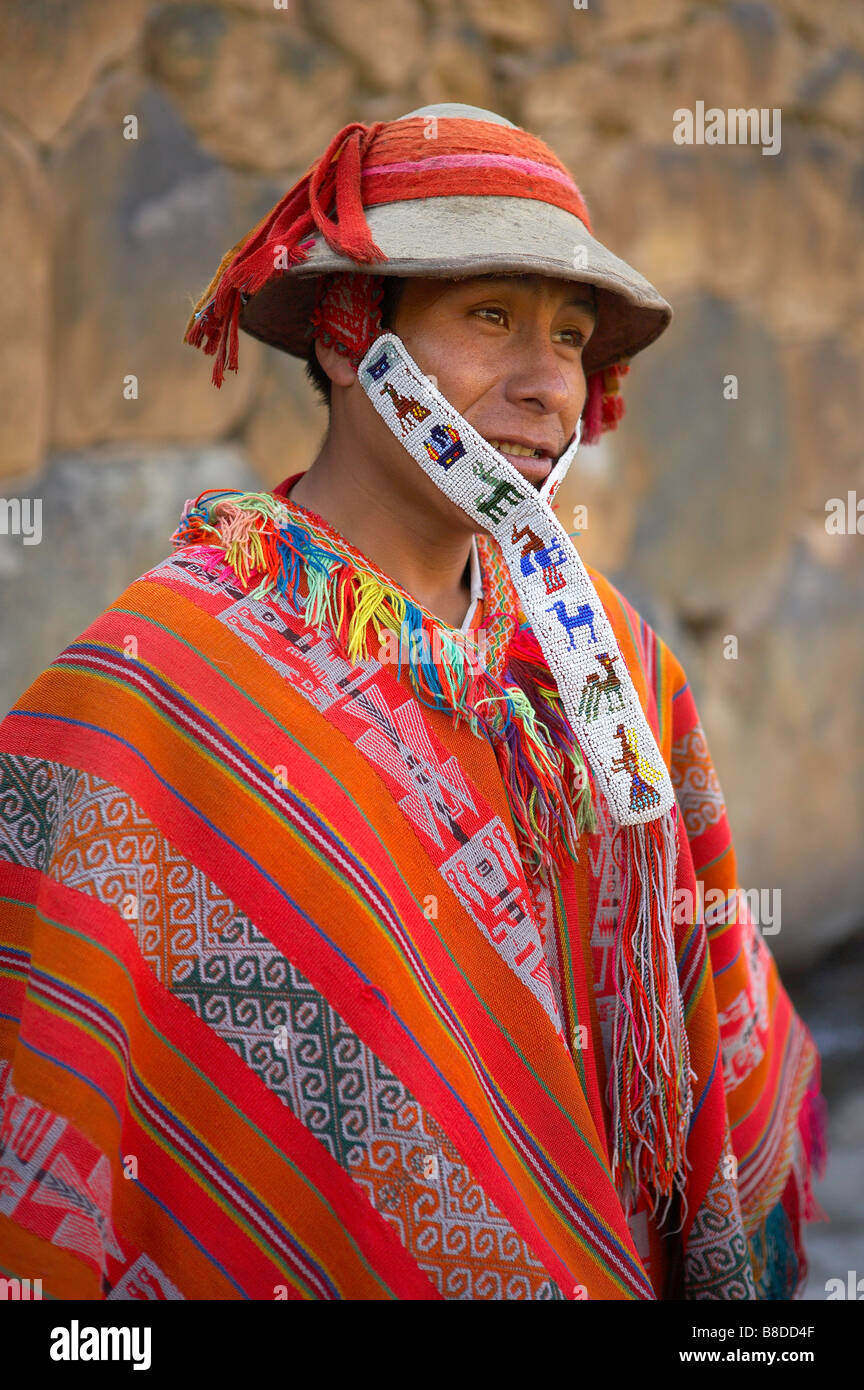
point(611, 596)
point(618, 608)
point(617, 605)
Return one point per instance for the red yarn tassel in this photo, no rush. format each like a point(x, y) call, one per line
point(592, 414)
point(350, 236)
point(283, 236)
point(604, 405)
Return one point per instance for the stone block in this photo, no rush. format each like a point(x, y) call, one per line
point(141, 226)
point(259, 94)
point(25, 293)
point(50, 54)
point(106, 518)
point(387, 43)
point(711, 475)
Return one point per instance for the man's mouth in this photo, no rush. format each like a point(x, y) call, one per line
point(535, 465)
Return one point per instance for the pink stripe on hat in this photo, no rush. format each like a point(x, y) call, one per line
point(461, 161)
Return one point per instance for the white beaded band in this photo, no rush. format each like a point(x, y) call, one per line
point(559, 600)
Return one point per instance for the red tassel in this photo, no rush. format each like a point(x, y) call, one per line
point(284, 236)
point(604, 405)
point(592, 414)
point(350, 236)
point(233, 336)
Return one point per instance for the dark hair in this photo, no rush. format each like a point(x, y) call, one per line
point(393, 285)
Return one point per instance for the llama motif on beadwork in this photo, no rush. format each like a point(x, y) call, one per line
point(502, 497)
point(595, 687)
point(583, 617)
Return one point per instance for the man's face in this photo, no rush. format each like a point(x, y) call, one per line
point(506, 351)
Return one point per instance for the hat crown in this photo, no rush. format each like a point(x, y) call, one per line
point(457, 110)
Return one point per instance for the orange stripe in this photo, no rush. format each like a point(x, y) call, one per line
point(28, 1256)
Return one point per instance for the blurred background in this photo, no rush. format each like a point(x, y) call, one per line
point(139, 141)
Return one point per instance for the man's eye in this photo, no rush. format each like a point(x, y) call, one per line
point(576, 334)
point(494, 315)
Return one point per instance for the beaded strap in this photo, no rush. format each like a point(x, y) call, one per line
point(556, 593)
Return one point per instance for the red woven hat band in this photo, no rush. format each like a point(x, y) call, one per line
point(347, 316)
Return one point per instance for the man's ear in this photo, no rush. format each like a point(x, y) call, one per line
point(335, 364)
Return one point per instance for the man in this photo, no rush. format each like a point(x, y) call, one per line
point(353, 942)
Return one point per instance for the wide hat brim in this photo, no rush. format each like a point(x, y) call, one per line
point(460, 236)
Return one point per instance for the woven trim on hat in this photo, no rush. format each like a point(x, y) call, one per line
point(452, 157)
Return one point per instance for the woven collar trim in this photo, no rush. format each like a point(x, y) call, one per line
point(502, 613)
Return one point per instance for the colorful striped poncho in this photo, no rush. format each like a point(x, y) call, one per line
point(305, 956)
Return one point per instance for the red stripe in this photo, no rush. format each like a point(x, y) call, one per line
point(487, 183)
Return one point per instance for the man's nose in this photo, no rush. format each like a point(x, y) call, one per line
point(536, 375)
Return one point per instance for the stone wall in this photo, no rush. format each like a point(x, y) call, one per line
point(709, 512)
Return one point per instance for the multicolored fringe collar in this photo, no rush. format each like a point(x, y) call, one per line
point(501, 687)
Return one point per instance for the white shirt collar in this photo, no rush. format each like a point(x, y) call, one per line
point(476, 585)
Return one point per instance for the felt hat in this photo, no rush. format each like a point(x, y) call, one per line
point(447, 190)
